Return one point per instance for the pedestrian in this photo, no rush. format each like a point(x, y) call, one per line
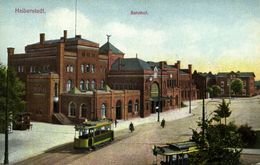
point(131, 127)
point(116, 123)
point(163, 123)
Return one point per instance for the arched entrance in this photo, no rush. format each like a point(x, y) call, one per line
point(154, 96)
point(118, 110)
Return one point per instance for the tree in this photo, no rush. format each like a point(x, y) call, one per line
point(223, 111)
point(237, 86)
point(216, 90)
point(14, 92)
point(221, 144)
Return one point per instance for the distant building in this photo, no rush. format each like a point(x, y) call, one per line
point(224, 79)
point(73, 79)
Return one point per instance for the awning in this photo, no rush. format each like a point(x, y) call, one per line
point(159, 98)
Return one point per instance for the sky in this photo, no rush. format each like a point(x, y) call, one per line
point(215, 35)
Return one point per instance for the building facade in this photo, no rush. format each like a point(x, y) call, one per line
point(75, 79)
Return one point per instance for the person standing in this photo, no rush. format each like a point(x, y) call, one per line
point(163, 123)
point(116, 123)
point(131, 127)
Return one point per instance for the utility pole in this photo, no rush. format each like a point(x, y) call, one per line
point(203, 109)
point(190, 95)
point(6, 160)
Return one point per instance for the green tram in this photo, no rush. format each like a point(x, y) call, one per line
point(91, 134)
point(175, 153)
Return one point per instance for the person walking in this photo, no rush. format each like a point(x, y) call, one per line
point(162, 123)
point(116, 123)
point(131, 127)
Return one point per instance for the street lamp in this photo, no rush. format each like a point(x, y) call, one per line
point(158, 110)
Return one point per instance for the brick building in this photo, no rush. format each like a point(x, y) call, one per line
point(69, 79)
point(223, 80)
point(159, 84)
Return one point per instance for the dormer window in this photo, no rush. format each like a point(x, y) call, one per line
point(155, 72)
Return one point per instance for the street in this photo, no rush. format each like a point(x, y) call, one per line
point(136, 148)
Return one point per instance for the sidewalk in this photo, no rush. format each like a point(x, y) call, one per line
point(169, 115)
point(251, 151)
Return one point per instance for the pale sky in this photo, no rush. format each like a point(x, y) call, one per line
point(217, 36)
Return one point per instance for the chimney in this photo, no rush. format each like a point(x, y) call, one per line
point(10, 51)
point(42, 38)
point(162, 64)
point(190, 68)
point(178, 64)
point(78, 36)
point(65, 35)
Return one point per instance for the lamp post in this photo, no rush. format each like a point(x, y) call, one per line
point(6, 160)
point(190, 97)
point(203, 109)
point(158, 110)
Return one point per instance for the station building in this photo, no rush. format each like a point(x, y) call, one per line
point(74, 79)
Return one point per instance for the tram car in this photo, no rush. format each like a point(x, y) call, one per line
point(175, 153)
point(91, 134)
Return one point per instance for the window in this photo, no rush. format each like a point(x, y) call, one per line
point(83, 111)
point(87, 68)
point(93, 84)
point(103, 111)
point(72, 110)
point(32, 69)
point(102, 84)
point(69, 85)
point(222, 83)
point(82, 68)
point(67, 68)
point(71, 68)
point(136, 106)
point(130, 107)
point(87, 85)
point(92, 68)
point(81, 85)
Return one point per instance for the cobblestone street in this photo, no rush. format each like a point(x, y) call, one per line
point(135, 148)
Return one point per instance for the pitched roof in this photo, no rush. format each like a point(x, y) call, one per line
point(104, 49)
point(239, 74)
point(131, 64)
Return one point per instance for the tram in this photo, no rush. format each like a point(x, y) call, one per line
point(175, 153)
point(91, 134)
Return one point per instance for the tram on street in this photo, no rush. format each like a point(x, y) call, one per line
point(175, 153)
point(91, 134)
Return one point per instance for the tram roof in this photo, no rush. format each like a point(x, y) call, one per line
point(93, 124)
point(176, 148)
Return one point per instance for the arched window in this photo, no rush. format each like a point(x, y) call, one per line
point(93, 84)
point(102, 84)
point(83, 111)
point(71, 68)
point(67, 68)
point(81, 85)
point(136, 106)
point(103, 111)
point(69, 85)
point(92, 67)
point(130, 106)
point(72, 110)
point(87, 85)
point(87, 68)
point(82, 68)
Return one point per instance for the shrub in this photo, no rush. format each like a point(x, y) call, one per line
point(248, 136)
